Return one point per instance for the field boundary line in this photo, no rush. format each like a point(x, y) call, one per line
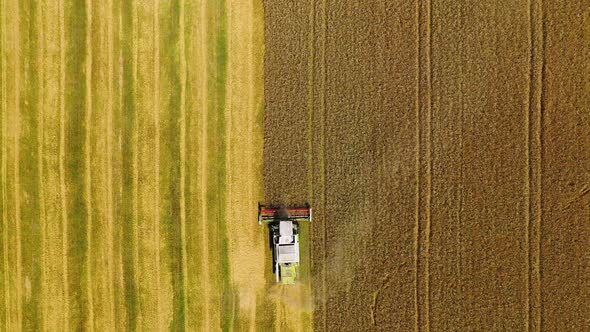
point(62, 172)
point(156, 107)
point(87, 165)
point(110, 217)
point(183, 79)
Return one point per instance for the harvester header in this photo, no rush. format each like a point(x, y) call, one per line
point(269, 214)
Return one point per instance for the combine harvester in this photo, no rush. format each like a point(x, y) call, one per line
point(283, 225)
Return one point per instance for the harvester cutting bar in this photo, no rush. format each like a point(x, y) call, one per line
point(272, 214)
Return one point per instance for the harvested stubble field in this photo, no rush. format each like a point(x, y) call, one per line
point(445, 148)
point(131, 164)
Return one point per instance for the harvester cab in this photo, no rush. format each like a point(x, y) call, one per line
point(283, 226)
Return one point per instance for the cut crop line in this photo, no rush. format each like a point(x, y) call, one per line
point(4, 172)
point(156, 108)
point(204, 114)
point(17, 124)
point(183, 78)
point(41, 157)
point(135, 139)
point(323, 164)
point(88, 172)
point(62, 172)
point(110, 218)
